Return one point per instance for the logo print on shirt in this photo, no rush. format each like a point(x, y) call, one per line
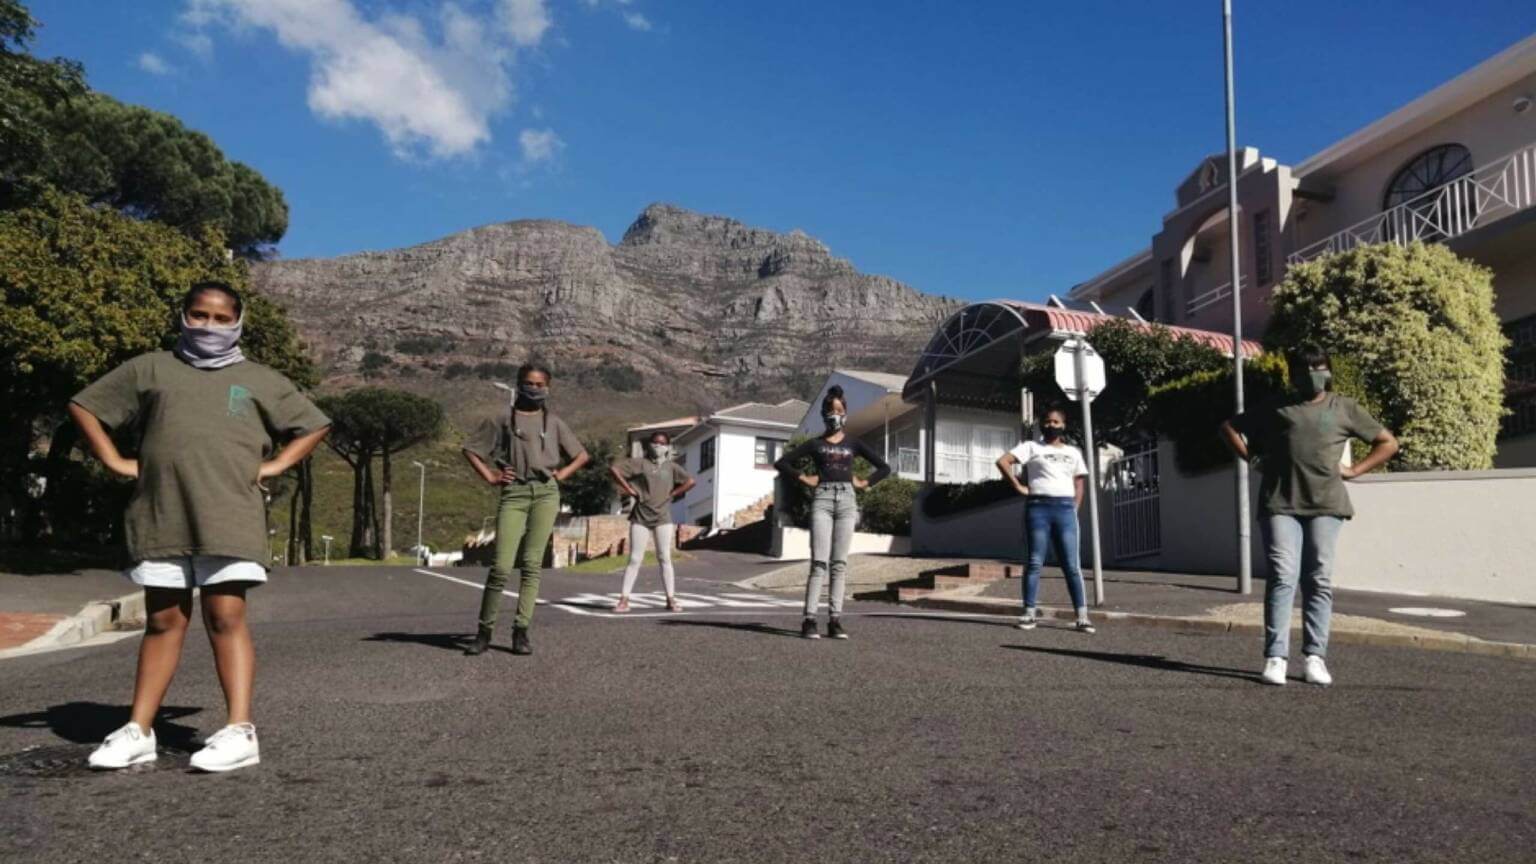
point(239, 401)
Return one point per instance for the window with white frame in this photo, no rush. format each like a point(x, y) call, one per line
point(707, 455)
point(766, 452)
point(966, 451)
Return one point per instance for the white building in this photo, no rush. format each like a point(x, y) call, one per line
point(731, 454)
point(967, 442)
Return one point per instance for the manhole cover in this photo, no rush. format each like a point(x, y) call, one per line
point(1427, 612)
point(68, 760)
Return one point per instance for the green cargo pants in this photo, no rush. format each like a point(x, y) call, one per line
point(524, 521)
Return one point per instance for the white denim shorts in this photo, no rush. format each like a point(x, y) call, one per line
point(195, 572)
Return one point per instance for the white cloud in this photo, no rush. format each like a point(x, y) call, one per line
point(426, 94)
point(199, 44)
point(526, 21)
point(539, 146)
point(637, 21)
point(152, 63)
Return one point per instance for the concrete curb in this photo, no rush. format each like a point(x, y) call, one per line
point(97, 617)
point(1454, 642)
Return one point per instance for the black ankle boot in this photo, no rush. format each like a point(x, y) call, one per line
point(479, 646)
point(520, 644)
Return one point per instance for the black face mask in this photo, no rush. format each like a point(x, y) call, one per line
point(1052, 433)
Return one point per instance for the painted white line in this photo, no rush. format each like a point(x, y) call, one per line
point(731, 611)
point(1427, 612)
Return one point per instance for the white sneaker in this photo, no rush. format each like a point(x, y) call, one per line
point(229, 748)
point(1274, 671)
point(127, 746)
point(1317, 671)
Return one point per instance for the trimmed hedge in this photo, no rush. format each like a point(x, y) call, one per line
point(949, 499)
point(1190, 410)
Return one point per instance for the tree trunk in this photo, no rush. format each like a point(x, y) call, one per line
point(374, 537)
point(358, 545)
point(388, 541)
point(306, 523)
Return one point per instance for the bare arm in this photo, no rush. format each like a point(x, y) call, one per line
point(1005, 464)
point(1383, 447)
point(682, 489)
point(621, 482)
point(1235, 442)
point(487, 473)
point(1080, 485)
point(575, 465)
point(101, 443)
point(292, 453)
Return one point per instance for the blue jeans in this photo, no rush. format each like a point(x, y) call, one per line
point(1052, 520)
point(834, 514)
point(1300, 549)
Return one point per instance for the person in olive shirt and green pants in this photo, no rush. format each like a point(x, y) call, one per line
point(521, 452)
point(654, 483)
point(208, 427)
point(1298, 444)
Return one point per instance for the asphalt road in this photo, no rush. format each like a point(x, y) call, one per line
point(718, 735)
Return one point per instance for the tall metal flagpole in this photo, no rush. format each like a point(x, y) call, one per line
point(1244, 534)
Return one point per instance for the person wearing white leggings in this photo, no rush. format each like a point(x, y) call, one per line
point(654, 483)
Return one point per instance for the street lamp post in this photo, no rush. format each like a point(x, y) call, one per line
point(1244, 538)
point(421, 503)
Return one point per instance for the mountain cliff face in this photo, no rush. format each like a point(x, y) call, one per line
point(690, 311)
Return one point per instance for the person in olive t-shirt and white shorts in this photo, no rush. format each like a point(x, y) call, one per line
point(1298, 444)
point(654, 483)
point(1055, 481)
point(207, 424)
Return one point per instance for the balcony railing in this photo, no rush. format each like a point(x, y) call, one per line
point(1502, 187)
point(1212, 297)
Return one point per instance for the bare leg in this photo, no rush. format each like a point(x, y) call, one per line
point(169, 610)
point(233, 652)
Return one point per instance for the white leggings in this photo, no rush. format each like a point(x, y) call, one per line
point(638, 535)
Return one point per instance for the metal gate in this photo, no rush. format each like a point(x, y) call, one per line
point(1135, 524)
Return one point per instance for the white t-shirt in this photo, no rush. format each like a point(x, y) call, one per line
point(1050, 470)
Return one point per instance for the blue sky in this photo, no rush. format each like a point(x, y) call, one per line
point(974, 149)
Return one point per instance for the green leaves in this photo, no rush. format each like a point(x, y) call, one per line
point(1418, 326)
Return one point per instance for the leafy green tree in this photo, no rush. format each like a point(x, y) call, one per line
point(1136, 359)
point(590, 490)
point(29, 87)
point(371, 422)
point(1419, 327)
point(149, 165)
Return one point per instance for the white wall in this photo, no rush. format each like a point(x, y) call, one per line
point(794, 544)
point(700, 500)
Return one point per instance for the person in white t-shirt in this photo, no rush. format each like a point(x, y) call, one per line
point(1054, 483)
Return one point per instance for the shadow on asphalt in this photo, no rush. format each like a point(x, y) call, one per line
point(90, 722)
point(946, 618)
point(444, 641)
point(1144, 661)
point(744, 627)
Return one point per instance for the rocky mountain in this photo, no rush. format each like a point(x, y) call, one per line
point(688, 311)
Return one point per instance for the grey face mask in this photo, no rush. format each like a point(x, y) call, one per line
point(1317, 381)
point(835, 422)
point(659, 452)
point(210, 347)
point(534, 396)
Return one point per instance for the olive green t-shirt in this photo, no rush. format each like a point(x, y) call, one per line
point(202, 435)
point(1299, 445)
point(655, 482)
point(532, 449)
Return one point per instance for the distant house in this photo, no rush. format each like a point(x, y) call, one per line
point(731, 454)
point(967, 441)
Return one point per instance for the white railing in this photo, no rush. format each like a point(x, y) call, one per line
point(1212, 297)
point(1502, 187)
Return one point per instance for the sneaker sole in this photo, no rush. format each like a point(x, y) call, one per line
point(844, 636)
point(1024, 626)
point(137, 760)
point(812, 636)
point(244, 763)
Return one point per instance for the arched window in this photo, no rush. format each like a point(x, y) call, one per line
point(1434, 167)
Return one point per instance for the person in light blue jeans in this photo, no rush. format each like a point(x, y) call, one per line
point(834, 507)
point(1054, 484)
point(1298, 443)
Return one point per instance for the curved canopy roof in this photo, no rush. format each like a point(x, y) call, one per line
point(980, 346)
